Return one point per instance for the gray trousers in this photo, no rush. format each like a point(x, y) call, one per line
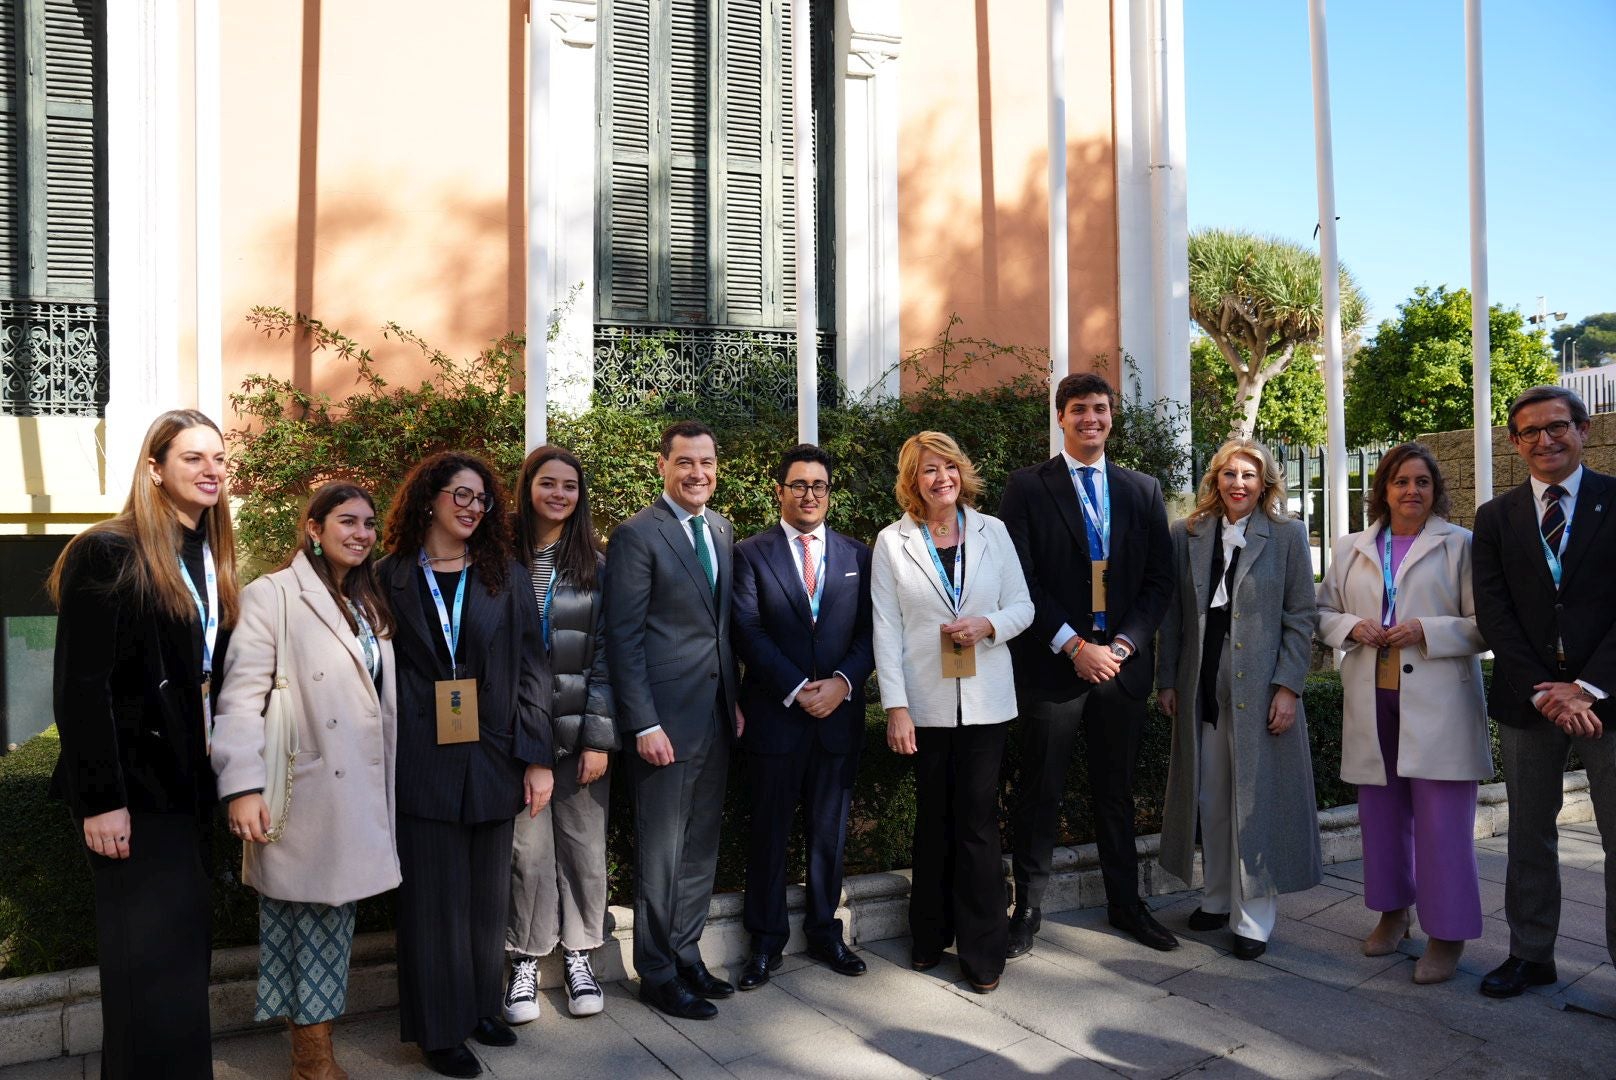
point(1534, 761)
point(558, 868)
point(678, 809)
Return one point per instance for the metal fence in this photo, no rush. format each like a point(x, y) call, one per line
point(53, 358)
point(1595, 386)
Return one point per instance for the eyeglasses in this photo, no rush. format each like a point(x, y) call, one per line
point(464, 496)
point(1556, 430)
point(801, 488)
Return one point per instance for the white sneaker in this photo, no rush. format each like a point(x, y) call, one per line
point(584, 997)
point(522, 995)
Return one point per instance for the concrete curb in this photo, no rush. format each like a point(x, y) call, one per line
point(59, 1013)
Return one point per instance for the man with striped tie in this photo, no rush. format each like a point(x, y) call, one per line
point(1546, 605)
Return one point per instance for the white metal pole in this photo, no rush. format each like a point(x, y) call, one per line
point(1330, 278)
point(1480, 335)
point(209, 312)
point(802, 128)
point(540, 222)
point(1059, 358)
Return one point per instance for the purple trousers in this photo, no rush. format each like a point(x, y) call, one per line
point(1419, 841)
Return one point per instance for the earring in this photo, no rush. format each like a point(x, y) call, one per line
point(318, 550)
point(158, 480)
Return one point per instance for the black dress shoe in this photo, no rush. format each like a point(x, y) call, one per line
point(1137, 920)
point(1205, 920)
point(703, 982)
point(1024, 923)
point(674, 998)
point(1246, 948)
point(977, 982)
point(1514, 975)
point(755, 972)
point(455, 1061)
point(493, 1032)
point(839, 958)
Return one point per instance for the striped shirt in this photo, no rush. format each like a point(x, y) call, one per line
point(544, 564)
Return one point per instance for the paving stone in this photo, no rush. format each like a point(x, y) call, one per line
point(1324, 956)
point(1583, 886)
point(1594, 993)
point(1492, 894)
point(750, 1020)
point(1584, 922)
point(1300, 905)
point(580, 1048)
point(659, 1034)
point(59, 1068)
point(31, 1036)
point(1492, 865)
point(366, 1049)
point(1352, 871)
point(1585, 854)
point(1497, 1061)
point(1032, 1056)
point(1573, 958)
point(1087, 934)
point(835, 1055)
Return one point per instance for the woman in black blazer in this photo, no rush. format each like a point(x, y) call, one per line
point(144, 601)
point(474, 748)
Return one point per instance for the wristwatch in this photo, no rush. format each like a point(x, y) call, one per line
point(1119, 651)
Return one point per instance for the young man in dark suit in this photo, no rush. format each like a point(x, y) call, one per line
point(669, 576)
point(802, 627)
point(1546, 605)
point(1095, 550)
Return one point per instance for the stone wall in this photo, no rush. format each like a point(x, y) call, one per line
point(1453, 449)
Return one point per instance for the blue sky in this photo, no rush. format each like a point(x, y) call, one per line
point(1397, 88)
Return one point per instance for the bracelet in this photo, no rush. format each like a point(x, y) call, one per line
point(1073, 654)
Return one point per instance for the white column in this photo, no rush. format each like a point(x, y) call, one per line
point(866, 202)
point(142, 227)
point(210, 389)
point(802, 135)
point(1169, 217)
point(1330, 273)
point(1059, 322)
point(539, 222)
point(1131, 103)
point(1480, 333)
point(571, 161)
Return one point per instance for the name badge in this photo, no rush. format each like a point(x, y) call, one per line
point(1388, 669)
point(457, 711)
point(959, 661)
point(1097, 575)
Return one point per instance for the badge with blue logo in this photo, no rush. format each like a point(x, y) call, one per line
point(457, 711)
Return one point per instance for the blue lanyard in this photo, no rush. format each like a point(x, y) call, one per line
point(367, 640)
point(544, 612)
point(208, 615)
point(451, 630)
point(1099, 518)
point(1556, 566)
point(955, 588)
point(819, 582)
point(1387, 580)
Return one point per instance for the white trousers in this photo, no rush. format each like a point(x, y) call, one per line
point(1249, 916)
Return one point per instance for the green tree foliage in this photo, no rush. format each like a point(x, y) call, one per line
point(1292, 408)
point(1594, 338)
point(1415, 377)
point(1259, 299)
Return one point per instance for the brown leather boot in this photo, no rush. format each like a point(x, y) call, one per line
point(1440, 961)
point(312, 1056)
point(1384, 938)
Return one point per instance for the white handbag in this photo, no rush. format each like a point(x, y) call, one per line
point(280, 731)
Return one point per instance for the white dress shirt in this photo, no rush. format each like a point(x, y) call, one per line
point(684, 517)
point(816, 546)
point(1064, 634)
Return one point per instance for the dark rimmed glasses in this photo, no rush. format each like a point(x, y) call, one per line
point(1556, 430)
point(801, 488)
point(464, 496)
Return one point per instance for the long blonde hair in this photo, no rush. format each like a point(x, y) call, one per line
point(1208, 504)
point(152, 528)
point(907, 487)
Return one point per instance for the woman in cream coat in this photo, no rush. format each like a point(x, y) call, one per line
point(337, 844)
point(1414, 737)
point(954, 725)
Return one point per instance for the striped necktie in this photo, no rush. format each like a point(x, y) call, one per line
point(1554, 519)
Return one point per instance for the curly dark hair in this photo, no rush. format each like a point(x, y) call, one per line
point(411, 513)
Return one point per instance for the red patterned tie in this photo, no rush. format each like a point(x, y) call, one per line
point(808, 565)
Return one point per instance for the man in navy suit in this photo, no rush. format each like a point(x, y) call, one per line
point(802, 626)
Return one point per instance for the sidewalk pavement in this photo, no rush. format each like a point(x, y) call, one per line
point(1086, 1003)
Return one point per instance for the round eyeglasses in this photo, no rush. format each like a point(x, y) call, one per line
point(464, 496)
point(801, 488)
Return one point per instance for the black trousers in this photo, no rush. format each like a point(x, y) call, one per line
point(958, 889)
point(822, 783)
point(153, 925)
point(1113, 725)
point(452, 908)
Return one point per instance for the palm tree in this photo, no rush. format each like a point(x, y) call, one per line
point(1258, 298)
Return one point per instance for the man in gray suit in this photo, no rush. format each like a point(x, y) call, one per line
point(668, 575)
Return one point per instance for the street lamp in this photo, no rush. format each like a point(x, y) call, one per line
point(1541, 319)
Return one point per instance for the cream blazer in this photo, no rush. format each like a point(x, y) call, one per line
point(339, 844)
point(1443, 729)
point(910, 606)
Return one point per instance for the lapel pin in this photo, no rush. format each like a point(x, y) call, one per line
point(1598, 507)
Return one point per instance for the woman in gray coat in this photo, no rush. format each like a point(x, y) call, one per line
point(558, 859)
point(1234, 654)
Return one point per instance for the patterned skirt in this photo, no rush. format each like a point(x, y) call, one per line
point(303, 963)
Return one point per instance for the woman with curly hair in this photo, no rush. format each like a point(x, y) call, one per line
point(474, 748)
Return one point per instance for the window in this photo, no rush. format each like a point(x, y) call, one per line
point(53, 207)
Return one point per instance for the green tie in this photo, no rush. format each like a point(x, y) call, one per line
point(704, 556)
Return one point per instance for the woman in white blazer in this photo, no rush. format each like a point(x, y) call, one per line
point(1398, 600)
point(337, 845)
point(947, 589)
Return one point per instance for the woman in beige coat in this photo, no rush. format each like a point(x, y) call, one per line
point(1398, 601)
point(337, 845)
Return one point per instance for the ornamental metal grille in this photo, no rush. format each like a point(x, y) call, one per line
point(53, 358)
point(743, 371)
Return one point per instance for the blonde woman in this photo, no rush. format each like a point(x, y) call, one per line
point(144, 600)
point(1235, 647)
point(948, 595)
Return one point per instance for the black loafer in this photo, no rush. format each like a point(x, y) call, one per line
point(455, 1061)
point(1136, 920)
point(1024, 923)
point(703, 982)
point(1246, 948)
point(1514, 975)
point(1203, 921)
point(755, 972)
point(493, 1032)
point(838, 957)
point(976, 982)
point(924, 959)
point(674, 998)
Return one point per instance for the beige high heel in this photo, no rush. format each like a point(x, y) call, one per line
point(1440, 961)
point(1384, 938)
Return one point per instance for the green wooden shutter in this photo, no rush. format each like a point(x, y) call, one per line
point(71, 207)
point(689, 49)
point(11, 142)
point(745, 174)
point(624, 187)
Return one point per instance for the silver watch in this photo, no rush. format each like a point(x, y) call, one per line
point(1119, 651)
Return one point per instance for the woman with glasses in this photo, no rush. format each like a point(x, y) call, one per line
point(474, 748)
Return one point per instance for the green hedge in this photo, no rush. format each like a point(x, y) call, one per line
point(46, 914)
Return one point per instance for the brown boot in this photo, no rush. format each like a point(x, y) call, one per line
point(1440, 961)
point(1392, 928)
point(312, 1057)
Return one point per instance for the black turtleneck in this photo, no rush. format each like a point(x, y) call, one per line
point(191, 541)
